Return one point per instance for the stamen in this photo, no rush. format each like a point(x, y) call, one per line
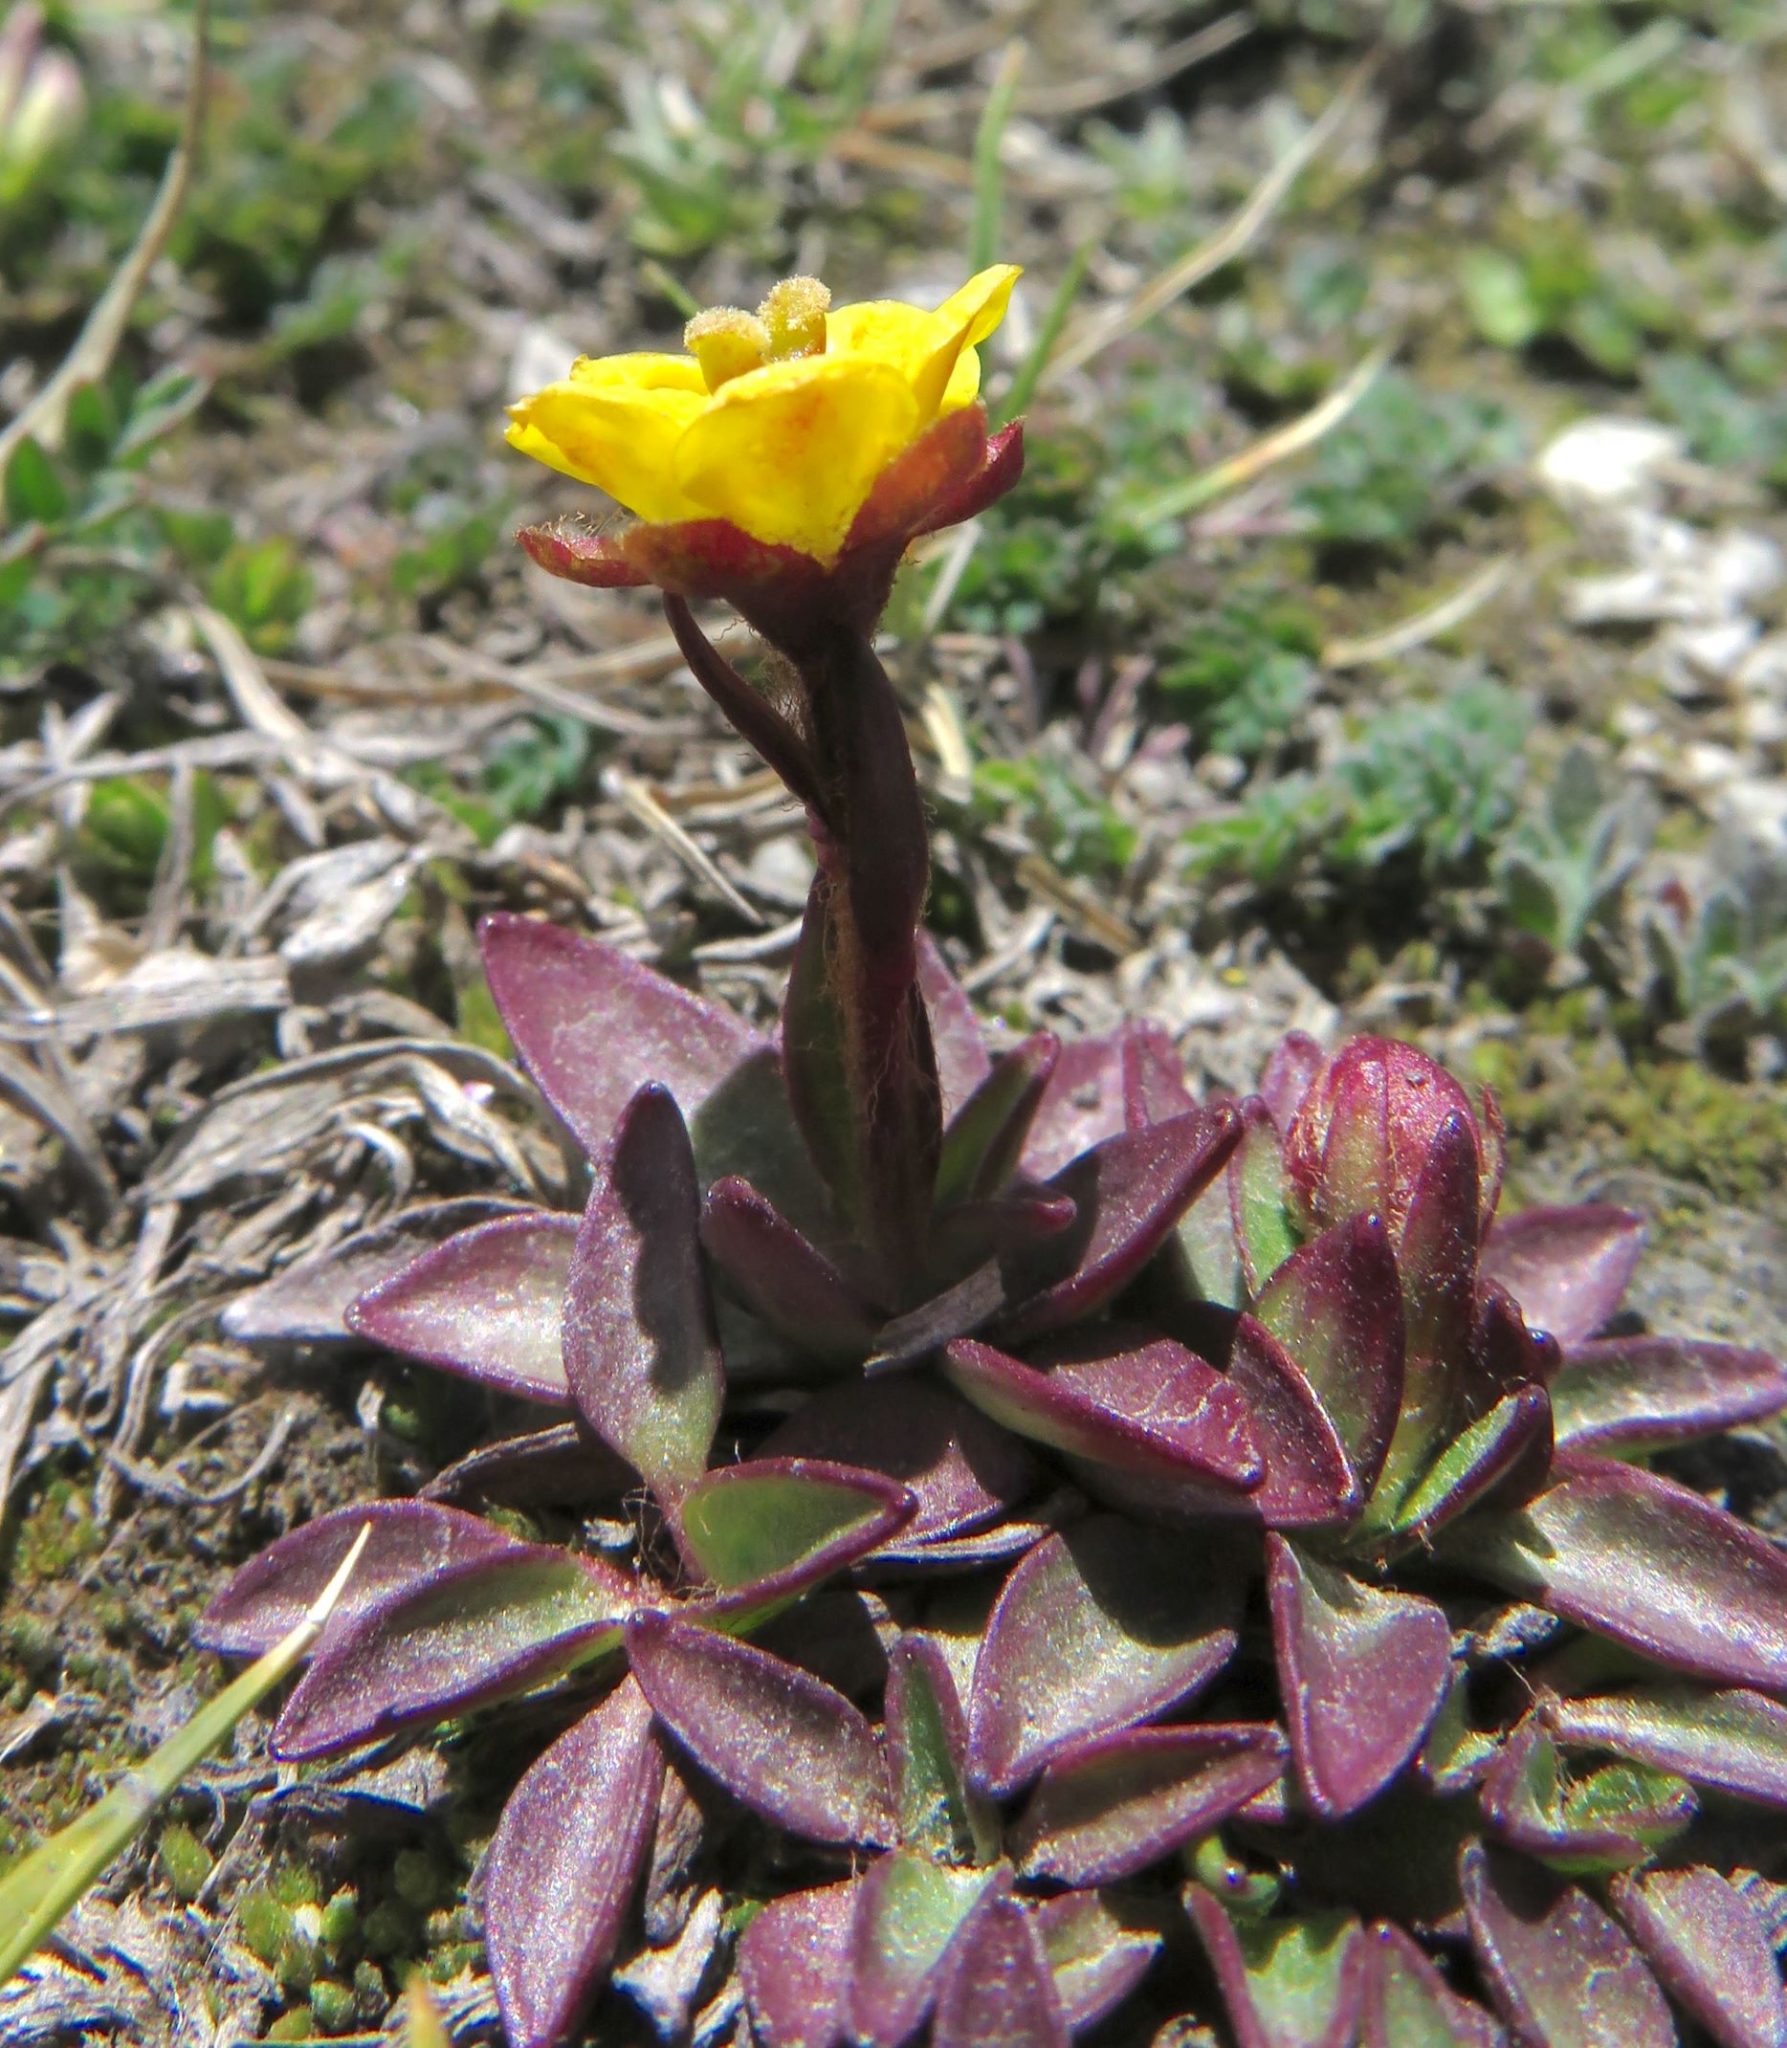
point(726, 341)
point(794, 313)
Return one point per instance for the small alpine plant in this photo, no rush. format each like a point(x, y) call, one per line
point(1087, 1543)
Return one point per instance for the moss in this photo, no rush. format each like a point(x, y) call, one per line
point(58, 1534)
point(184, 1862)
point(1676, 1117)
point(333, 2006)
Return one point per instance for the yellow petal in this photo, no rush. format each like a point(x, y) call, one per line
point(980, 304)
point(952, 377)
point(614, 427)
point(789, 452)
point(643, 370)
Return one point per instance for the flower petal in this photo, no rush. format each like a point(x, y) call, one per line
point(979, 306)
point(790, 452)
point(613, 422)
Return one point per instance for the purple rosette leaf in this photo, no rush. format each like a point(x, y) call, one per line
point(963, 1469)
point(1505, 1452)
point(1436, 1256)
point(1286, 1983)
point(1623, 1396)
point(963, 1062)
point(1151, 1407)
point(594, 1027)
point(563, 1466)
point(1363, 1672)
point(307, 1301)
point(1408, 2004)
point(1153, 1075)
point(1082, 1105)
point(985, 1137)
point(1290, 1074)
point(927, 1735)
point(488, 1305)
point(778, 1739)
point(412, 1543)
point(641, 1351)
point(1097, 1956)
point(1645, 1562)
point(1128, 1193)
point(1335, 1306)
point(781, 1276)
point(1568, 1268)
point(563, 1865)
point(1732, 1742)
point(1561, 1972)
point(1615, 1817)
point(1094, 1630)
point(1110, 1807)
point(1266, 1232)
point(1712, 1950)
point(996, 1989)
point(478, 1631)
point(765, 1531)
point(793, 1961)
point(907, 1912)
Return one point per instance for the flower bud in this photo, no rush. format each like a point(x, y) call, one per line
point(1367, 1128)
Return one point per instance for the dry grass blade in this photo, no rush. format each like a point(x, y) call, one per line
point(90, 358)
point(1422, 626)
point(1082, 96)
point(642, 805)
point(1102, 329)
point(49, 1104)
point(1280, 445)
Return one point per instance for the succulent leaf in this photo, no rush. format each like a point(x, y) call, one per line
point(1109, 1807)
point(1095, 1629)
point(1408, 2004)
point(996, 1989)
point(481, 1630)
point(965, 1471)
point(1562, 1973)
point(594, 1027)
point(1128, 1193)
point(927, 1737)
point(411, 1543)
point(487, 1304)
point(1712, 1951)
point(1613, 1818)
point(1647, 1563)
point(563, 1864)
point(785, 1743)
point(984, 1139)
point(907, 1912)
point(1153, 1075)
point(793, 1961)
point(1098, 1957)
point(1504, 1448)
point(1266, 1233)
point(1149, 1407)
point(766, 1530)
point(641, 1350)
point(963, 1061)
point(1295, 1982)
point(1363, 1672)
point(1623, 1396)
point(780, 1275)
point(1568, 1268)
point(1082, 1105)
point(1734, 1742)
point(1333, 1305)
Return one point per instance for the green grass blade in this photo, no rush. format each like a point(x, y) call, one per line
point(40, 1889)
point(1023, 385)
point(989, 180)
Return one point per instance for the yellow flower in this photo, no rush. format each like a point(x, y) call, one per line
point(779, 422)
